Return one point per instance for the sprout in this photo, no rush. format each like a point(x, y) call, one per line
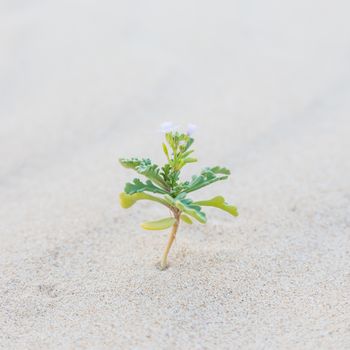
point(164, 186)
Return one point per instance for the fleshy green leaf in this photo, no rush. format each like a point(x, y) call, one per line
point(170, 138)
point(137, 186)
point(127, 200)
point(165, 149)
point(219, 170)
point(187, 206)
point(186, 154)
point(219, 202)
point(159, 224)
point(186, 219)
point(190, 160)
point(189, 143)
point(170, 176)
point(207, 177)
point(145, 168)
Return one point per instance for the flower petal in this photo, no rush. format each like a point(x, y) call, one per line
point(191, 128)
point(168, 127)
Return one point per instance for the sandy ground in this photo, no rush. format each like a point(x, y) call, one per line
point(85, 82)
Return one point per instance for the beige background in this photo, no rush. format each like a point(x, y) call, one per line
point(85, 82)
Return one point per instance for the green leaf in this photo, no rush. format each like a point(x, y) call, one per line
point(159, 224)
point(186, 219)
point(171, 141)
point(137, 186)
point(207, 177)
point(145, 168)
point(187, 206)
point(127, 200)
point(166, 152)
point(190, 160)
point(219, 202)
point(189, 143)
point(170, 176)
point(219, 170)
point(186, 154)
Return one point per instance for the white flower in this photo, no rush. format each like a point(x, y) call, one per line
point(168, 127)
point(191, 128)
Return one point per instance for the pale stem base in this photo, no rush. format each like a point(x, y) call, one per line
point(172, 235)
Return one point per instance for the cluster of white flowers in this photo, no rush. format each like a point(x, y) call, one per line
point(171, 127)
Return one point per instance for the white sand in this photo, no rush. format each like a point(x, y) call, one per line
point(85, 82)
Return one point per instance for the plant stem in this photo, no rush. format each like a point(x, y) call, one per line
point(172, 235)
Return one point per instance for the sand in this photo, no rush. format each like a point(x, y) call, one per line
point(83, 83)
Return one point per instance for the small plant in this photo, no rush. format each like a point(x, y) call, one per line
point(169, 190)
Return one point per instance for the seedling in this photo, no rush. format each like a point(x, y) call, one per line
point(169, 190)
